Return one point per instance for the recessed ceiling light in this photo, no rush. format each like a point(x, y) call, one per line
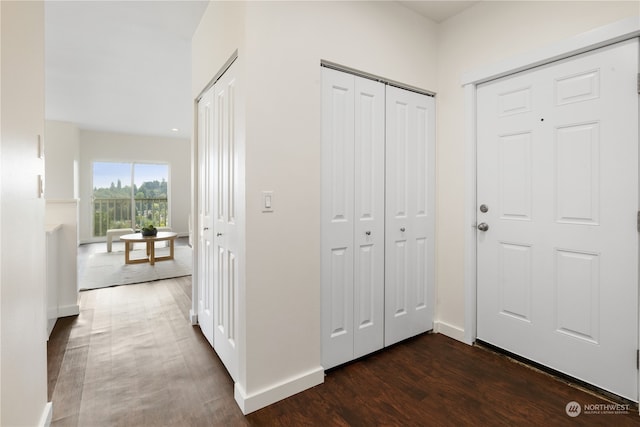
point(174, 129)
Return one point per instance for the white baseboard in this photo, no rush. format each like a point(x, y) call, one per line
point(193, 316)
point(68, 310)
point(252, 402)
point(451, 331)
point(47, 414)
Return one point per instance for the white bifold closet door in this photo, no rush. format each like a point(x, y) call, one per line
point(352, 217)
point(410, 211)
point(220, 213)
point(205, 215)
point(374, 136)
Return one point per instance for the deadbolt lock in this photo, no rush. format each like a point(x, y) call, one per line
point(484, 208)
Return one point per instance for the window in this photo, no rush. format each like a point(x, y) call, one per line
point(122, 191)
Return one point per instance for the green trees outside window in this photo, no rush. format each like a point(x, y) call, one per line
point(117, 198)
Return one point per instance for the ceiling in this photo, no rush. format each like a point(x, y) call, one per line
point(122, 66)
point(438, 10)
point(125, 66)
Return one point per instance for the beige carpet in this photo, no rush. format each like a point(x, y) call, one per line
point(108, 269)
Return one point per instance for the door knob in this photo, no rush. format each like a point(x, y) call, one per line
point(402, 229)
point(483, 226)
point(368, 233)
point(206, 228)
point(218, 234)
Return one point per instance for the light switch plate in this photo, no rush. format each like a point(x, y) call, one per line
point(267, 201)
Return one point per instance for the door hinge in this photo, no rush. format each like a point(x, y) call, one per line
point(638, 221)
point(638, 83)
point(638, 359)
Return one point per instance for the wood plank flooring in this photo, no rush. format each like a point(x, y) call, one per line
point(131, 358)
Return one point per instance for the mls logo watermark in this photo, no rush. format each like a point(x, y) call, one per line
point(573, 409)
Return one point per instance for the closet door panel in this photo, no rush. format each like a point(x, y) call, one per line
point(409, 275)
point(337, 217)
point(227, 220)
point(206, 255)
point(369, 216)
point(423, 200)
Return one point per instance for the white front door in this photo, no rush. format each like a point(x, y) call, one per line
point(557, 199)
point(409, 220)
point(227, 238)
point(205, 209)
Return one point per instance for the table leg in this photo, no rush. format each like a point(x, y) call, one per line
point(151, 249)
point(127, 248)
point(171, 248)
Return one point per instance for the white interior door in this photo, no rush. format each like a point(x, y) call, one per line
point(410, 226)
point(205, 209)
point(337, 217)
point(369, 217)
point(227, 237)
point(352, 217)
point(557, 239)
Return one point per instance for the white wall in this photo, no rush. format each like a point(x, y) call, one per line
point(115, 147)
point(64, 213)
point(1, 234)
point(285, 43)
point(62, 154)
point(62, 157)
point(281, 45)
point(482, 35)
point(23, 354)
point(220, 33)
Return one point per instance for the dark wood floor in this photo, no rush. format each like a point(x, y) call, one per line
point(131, 358)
